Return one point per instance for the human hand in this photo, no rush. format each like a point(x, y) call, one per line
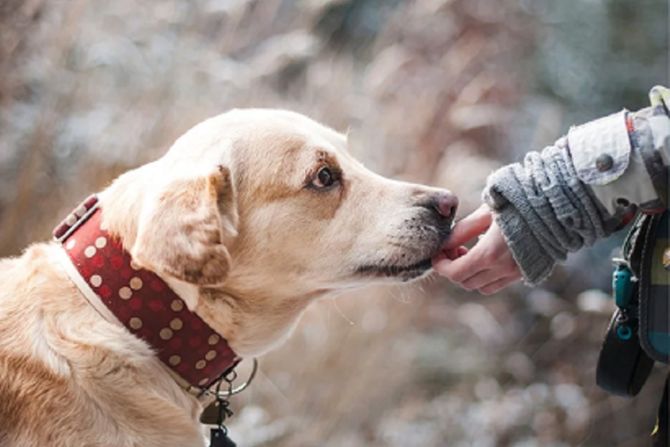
point(488, 266)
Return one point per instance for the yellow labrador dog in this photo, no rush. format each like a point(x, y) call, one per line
point(249, 217)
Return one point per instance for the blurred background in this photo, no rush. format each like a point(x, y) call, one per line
point(435, 91)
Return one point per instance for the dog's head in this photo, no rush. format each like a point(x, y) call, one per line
point(269, 208)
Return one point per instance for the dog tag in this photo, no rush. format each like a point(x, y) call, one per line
point(210, 415)
point(219, 438)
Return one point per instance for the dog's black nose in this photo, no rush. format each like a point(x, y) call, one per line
point(445, 203)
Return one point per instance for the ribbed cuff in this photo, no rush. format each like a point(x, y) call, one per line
point(533, 260)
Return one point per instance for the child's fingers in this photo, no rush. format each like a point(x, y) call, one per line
point(470, 227)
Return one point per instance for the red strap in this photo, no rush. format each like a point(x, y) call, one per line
point(142, 301)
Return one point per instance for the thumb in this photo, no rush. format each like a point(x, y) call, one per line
point(470, 227)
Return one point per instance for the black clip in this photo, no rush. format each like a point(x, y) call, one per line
point(219, 434)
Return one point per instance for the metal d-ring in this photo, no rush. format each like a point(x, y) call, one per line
point(231, 392)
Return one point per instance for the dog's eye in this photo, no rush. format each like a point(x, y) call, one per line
point(324, 178)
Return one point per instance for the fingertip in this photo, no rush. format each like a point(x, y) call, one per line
point(439, 256)
point(469, 227)
point(451, 253)
point(441, 266)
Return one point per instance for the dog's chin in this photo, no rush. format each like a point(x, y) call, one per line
point(404, 273)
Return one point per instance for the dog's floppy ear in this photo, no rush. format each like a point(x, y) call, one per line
point(185, 227)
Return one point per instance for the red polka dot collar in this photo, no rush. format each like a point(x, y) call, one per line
point(141, 301)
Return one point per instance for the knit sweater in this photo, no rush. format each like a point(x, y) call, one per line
point(544, 210)
point(560, 199)
point(579, 190)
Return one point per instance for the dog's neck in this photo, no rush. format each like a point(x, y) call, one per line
point(253, 326)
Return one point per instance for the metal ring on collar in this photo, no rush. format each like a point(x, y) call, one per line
point(242, 387)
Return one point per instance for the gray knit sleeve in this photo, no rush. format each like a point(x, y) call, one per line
point(544, 210)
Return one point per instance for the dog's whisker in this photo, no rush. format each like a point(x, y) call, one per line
point(339, 311)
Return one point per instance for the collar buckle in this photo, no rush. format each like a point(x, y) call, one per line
point(76, 218)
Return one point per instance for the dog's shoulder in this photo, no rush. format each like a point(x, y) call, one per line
point(29, 390)
point(67, 374)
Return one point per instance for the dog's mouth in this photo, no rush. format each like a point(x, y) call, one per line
point(432, 242)
point(404, 272)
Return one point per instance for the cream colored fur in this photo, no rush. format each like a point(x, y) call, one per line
point(229, 217)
